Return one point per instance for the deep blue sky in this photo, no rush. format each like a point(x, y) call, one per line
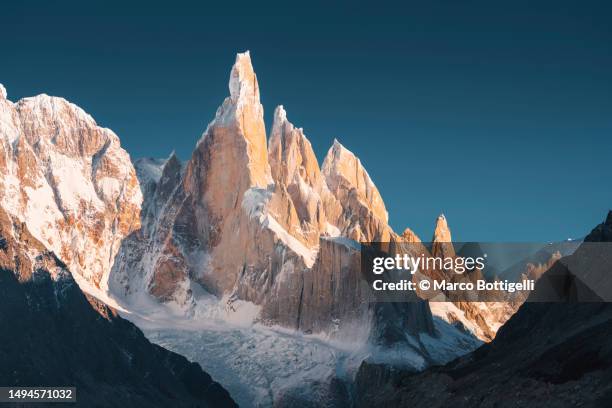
point(498, 114)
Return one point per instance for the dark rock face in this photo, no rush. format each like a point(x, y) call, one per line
point(603, 232)
point(53, 335)
point(548, 354)
point(334, 290)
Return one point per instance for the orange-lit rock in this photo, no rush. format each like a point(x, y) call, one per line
point(69, 181)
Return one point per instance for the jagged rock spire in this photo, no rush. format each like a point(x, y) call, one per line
point(344, 172)
point(232, 151)
point(243, 84)
point(409, 236)
point(229, 160)
point(442, 232)
point(291, 154)
point(2, 92)
point(295, 169)
point(442, 241)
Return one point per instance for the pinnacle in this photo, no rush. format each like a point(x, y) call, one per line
point(243, 81)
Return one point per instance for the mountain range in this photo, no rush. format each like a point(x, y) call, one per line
point(251, 230)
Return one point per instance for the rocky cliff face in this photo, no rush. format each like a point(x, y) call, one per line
point(54, 335)
point(69, 181)
point(259, 222)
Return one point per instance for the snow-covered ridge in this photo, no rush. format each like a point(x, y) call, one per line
point(69, 180)
point(149, 169)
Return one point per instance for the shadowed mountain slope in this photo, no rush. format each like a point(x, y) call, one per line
point(554, 354)
point(54, 335)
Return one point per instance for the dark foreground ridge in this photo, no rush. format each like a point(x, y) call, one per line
point(548, 354)
point(54, 335)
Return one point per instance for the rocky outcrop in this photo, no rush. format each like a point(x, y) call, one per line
point(60, 336)
point(69, 181)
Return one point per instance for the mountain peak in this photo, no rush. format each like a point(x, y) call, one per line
point(409, 236)
point(442, 232)
point(2, 92)
point(278, 123)
point(75, 170)
point(280, 115)
point(172, 161)
point(234, 143)
point(337, 146)
point(243, 81)
point(172, 156)
point(603, 232)
point(290, 152)
point(336, 152)
point(343, 171)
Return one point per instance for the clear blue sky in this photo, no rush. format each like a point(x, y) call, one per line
point(498, 114)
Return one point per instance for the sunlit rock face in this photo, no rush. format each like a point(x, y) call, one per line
point(295, 169)
point(442, 241)
point(364, 217)
point(69, 181)
point(257, 221)
point(230, 159)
